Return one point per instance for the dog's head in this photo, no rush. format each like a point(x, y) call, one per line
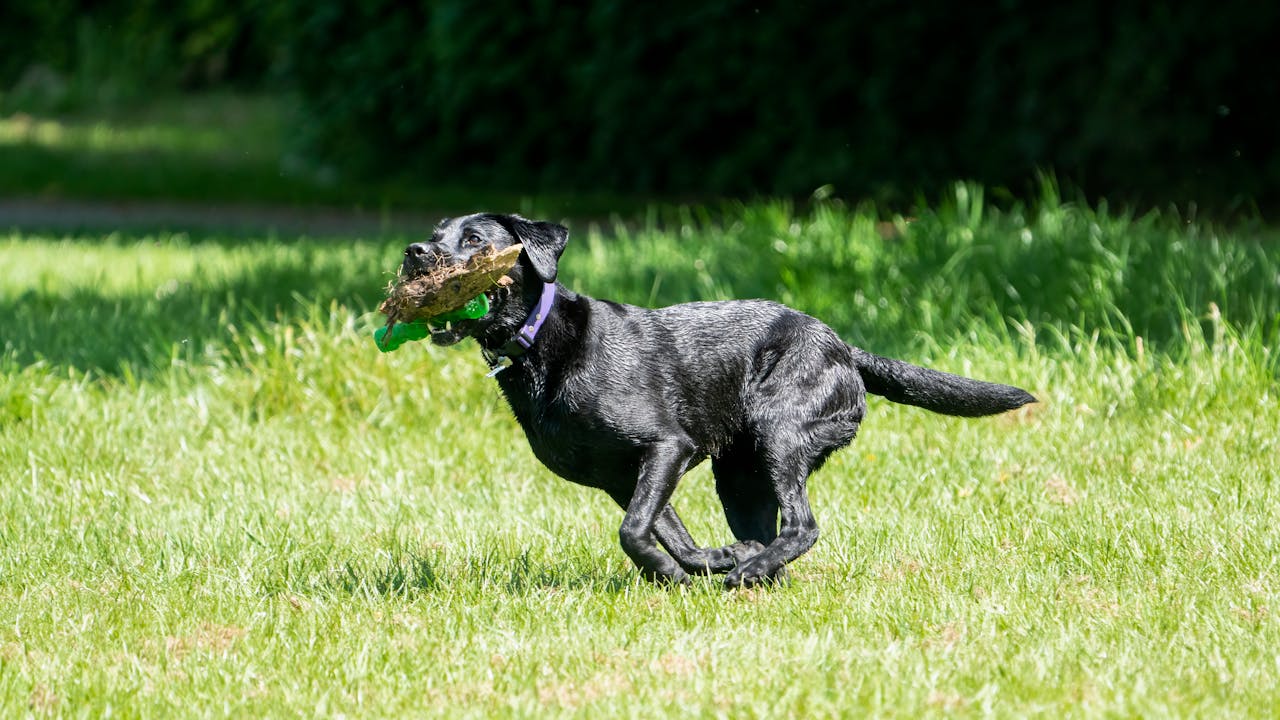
point(457, 240)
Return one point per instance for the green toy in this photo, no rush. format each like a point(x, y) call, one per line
point(392, 336)
point(399, 334)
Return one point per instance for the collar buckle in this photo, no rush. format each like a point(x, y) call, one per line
point(525, 337)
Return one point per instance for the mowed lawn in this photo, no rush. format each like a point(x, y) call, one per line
point(218, 499)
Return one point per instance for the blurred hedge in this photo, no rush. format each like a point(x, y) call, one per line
point(57, 54)
point(1132, 100)
point(732, 96)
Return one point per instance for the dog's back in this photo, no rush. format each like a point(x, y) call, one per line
point(743, 342)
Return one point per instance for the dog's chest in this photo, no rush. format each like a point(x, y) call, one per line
point(576, 437)
point(579, 451)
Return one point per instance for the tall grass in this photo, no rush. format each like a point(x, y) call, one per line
point(217, 498)
point(1053, 265)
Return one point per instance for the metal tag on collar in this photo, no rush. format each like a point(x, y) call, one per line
point(503, 362)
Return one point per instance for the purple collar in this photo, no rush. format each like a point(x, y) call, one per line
point(528, 333)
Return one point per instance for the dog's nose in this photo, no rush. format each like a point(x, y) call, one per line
point(422, 257)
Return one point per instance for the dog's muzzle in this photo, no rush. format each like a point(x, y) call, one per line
point(420, 258)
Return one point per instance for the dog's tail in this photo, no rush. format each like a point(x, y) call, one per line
point(937, 391)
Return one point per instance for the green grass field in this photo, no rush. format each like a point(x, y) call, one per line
point(218, 499)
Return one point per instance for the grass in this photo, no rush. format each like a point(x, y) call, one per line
point(216, 498)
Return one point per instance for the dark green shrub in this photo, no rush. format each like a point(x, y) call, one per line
point(60, 53)
point(733, 97)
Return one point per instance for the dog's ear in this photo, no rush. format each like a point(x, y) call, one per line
point(543, 243)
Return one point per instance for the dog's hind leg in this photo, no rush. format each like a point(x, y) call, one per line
point(765, 482)
point(798, 533)
point(804, 406)
point(750, 505)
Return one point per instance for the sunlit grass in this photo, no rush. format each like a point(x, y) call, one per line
point(225, 147)
point(196, 125)
point(217, 498)
point(103, 137)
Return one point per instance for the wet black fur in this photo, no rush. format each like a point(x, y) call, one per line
point(628, 399)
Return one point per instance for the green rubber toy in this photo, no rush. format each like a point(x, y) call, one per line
point(401, 333)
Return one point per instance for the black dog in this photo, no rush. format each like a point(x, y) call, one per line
point(627, 399)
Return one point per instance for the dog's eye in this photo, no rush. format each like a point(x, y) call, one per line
point(472, 239)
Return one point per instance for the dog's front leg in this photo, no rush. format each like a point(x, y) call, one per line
point(660, 470)
point(669, 530)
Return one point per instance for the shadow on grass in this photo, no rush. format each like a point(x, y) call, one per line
point(520, 574)
point(181, 319)
point(193, 320)
point(884, 296)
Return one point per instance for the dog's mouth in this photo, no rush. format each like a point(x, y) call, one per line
point(444, 334)
point(451, 333)
point(415, 266)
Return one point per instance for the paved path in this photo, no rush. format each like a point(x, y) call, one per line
point(68, 216)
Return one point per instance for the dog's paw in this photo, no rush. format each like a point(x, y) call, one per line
point(745, 550)
point(719, 560)
point(753, 574)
